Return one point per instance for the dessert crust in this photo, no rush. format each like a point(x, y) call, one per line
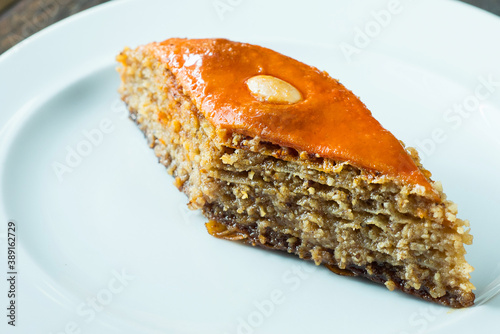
point(382, 273)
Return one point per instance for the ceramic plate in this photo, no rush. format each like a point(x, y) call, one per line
point(105, 242)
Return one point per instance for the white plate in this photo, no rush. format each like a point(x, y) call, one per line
point(110, 247)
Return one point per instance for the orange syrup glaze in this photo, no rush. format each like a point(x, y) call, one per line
point(329, 121)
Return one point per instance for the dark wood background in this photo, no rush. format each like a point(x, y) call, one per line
point(20, 19)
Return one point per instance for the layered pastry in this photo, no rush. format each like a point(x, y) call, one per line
point(278, 154)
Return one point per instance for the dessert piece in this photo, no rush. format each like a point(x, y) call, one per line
point(278, 154)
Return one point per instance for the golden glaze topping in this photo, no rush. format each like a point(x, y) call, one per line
point(324, 118)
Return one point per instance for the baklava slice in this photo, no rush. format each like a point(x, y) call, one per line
point(278, 154)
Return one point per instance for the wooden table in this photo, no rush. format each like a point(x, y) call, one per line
point(20, 19)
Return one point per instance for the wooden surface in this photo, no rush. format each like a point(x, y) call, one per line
point(20, 19)
point(23, 18)
point(492, 6)
point(5, 3)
